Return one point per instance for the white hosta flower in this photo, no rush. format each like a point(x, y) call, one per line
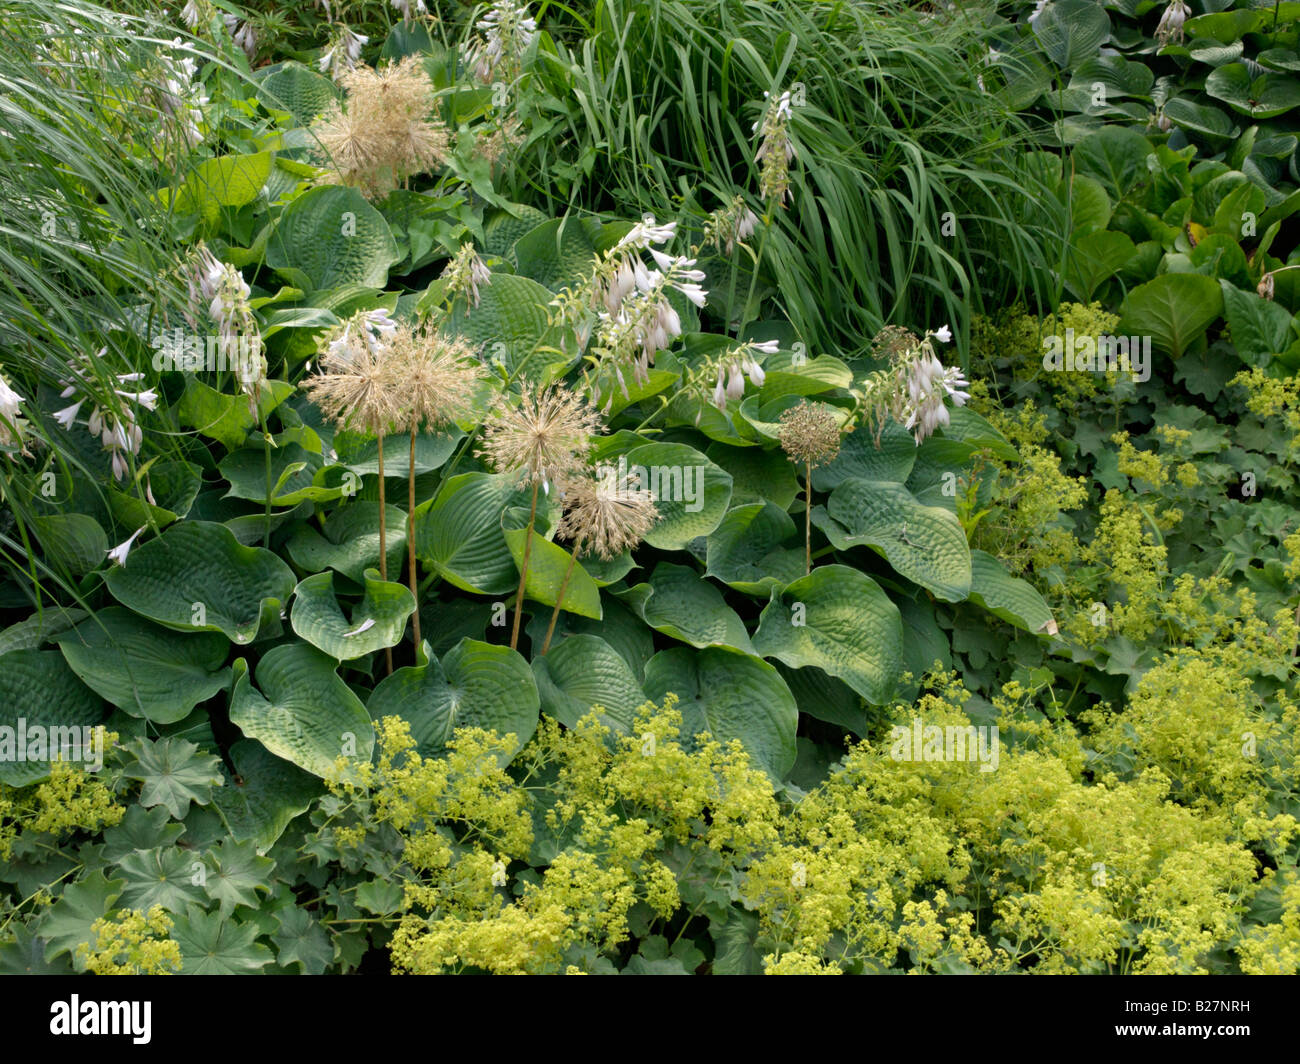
point(11, 424)
point(192, 14)
point(943, 334)
point(647, 232)
point(1171, 22)
point(926, 387)
point(507, 31)
point(1038, 10)
point(499, 874)
point(408, 8)
point(343, 53)
point(118, 554)
point(67, 417)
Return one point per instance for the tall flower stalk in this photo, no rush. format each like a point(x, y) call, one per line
point(810, 435)
point(356, 389)
point(434, 382)
point(543, 439)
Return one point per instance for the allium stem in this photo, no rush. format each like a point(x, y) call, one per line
point(410, 541)
point(807, 518)
point(559, 599)
point(383, 538)
point(523, 570)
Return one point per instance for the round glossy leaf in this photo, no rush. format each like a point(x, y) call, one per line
point(143, 668)
point(840, 621)
point(197, 577)
point(476, 685)
point(730, 695)
point(377, 621)
point(300, 710)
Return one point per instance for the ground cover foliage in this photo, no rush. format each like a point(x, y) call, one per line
point(656, 488)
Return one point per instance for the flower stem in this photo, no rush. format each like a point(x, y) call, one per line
point(383, 539)
point(523, 570)
point(807, 518)
point(753, 277)
point(410, 542)
point(266, 448)
point(559, 599)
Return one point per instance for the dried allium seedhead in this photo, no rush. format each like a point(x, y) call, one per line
point(382, 133)
point(433, 378)
point(810, 433)
point(543, 438)
point(606, 513)
point(355, 388)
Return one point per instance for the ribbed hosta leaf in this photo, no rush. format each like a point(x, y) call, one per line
point(460, 532)
point(926, 544)
point(377, 621)
point(349, 541)
point(196, 577)
point(37, 689)
point(746, 550)
point(547, 564)
point(143, 668)
point(731, 695)
point(691, 492)
point(300, 710)
point(679, 602)
point(840, 621)
point(1007, 596)
point(584, 671)
point(476, 685)
point(329, 237)
point(860, 457)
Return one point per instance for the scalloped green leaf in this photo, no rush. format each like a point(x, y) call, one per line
point(360, 453)
point(585, 671)
point(1071, 31)
point(691, 492)
point(731, 695)
point(301, 710)
point(681, 603)
point(75, 542)
point(475, 685)
point(746, 551)
point(1006, 596)
point(840, 621)
point(145, 669)
point(556, 253)
point(38, 689)
point(926, 544)
point(330, 237)
point(296, 476)
point(299, 90)
point(197, 577)
point(377, 621)
point(1266, 96)
point(547, 564)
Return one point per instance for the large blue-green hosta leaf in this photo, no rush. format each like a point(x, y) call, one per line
point(731, 695)
point(476, 685)
point(377, 621)
point(197, 577)
point(926, 544)
point(330, 237)
point(584, 671)
point(301, 710)
point(38, 689)
point(840, 621)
